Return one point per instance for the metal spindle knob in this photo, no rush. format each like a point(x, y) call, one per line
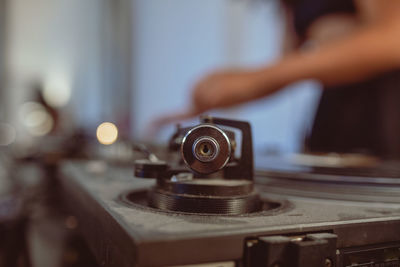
point(206, 149)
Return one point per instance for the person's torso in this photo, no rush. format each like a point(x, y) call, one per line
point(359, 117)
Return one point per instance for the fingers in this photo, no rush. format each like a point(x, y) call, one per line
point(157, 124)
point(205, 96)
point(174, 117)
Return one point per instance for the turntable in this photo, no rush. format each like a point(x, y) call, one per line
point(209, 209)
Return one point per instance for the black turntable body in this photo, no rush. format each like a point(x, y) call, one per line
point(210, 209)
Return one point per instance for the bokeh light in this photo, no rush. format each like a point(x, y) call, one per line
point(36, 119)
point(8, 134)
point(107, 133)
point(56, 92)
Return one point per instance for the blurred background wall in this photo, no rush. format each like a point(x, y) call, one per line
point(128, 61)
point(3, 26)
point(78, 50)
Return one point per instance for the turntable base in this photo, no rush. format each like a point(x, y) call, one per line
point(126, 234)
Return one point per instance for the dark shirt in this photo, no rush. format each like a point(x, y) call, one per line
point(305, 12)
point(359, 118)
point(355, 118)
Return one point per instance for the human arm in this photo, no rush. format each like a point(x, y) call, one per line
point(371, 50)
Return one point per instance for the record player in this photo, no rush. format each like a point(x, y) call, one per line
point(202, 204)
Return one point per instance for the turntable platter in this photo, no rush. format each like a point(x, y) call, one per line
point(334, 160)
point(377, 182)
point(350, 165)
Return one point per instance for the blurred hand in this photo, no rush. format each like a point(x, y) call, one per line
point(220, 90)
point(225, 89)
